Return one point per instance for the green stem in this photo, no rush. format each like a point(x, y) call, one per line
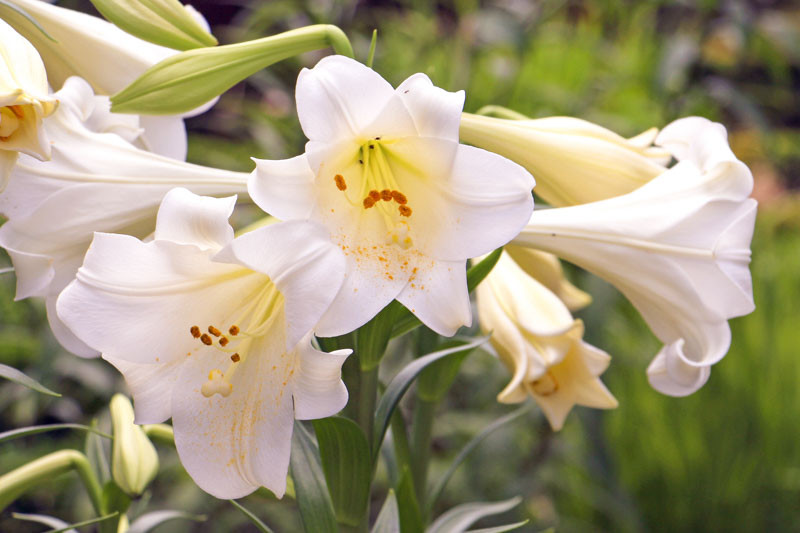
point(367, 394)
point(422, 429)
point(402, 450)
point(339, 41)
point(18, 481)
point(162, 433)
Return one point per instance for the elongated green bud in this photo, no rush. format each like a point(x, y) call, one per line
point(134, 461)
point(164, 22)
point(188, 80)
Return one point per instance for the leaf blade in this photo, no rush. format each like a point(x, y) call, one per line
point(12, 374)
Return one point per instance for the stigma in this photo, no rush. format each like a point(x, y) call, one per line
point(216, 384)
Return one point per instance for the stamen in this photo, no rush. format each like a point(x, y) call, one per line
point(195, 331)
point(368, 202)
point(386, 195)
point(234, 330)
point(223, 341)
point(205, 339)
point(545, 385)
point(340, 183)
point(235, 358)
point(404, 210)
point(216, 384)
point(214, 331)
point(399, 197)
point(375, 195)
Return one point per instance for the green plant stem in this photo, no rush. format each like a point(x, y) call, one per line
point(162, 433)
point(422, 429)
point(18, 481)
point(367, 393)
point(402, 450)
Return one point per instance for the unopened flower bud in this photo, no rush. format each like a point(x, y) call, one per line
point(134, 461)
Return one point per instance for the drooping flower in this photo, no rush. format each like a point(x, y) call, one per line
point(678, 248)
point(536, 337)
point(102, 54)
point(574, 161)
point(96, 180)
point(214, 332)
point(384, 172)
point(546, 269)
point(24, 101)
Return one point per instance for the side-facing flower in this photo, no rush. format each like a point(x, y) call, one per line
point(547, 270)
point(24, 101)
point(541, 344)
point(574, 161)
point(678, 248)
point(215, 332)
point(102, 54)
point(384, 172)
point(96, 180)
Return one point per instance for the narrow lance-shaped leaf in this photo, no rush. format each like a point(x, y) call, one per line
point(388, 520)
point(33, 430)
point(260, 525)
point(316, 509)
point(505, 528)
point(16, 376)
point(345, 460)
point(459, 518)
point(400, 384)
point(408, 506)
point(188, 80)
point(435, 381)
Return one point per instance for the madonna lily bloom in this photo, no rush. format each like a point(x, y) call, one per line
point(105, 56)
point(24, 101)
point(541, 344)
point(215, 332)
point(546, 269)
point(97, 180)
point(678, 248)
point(574, 161)
point(384, 172)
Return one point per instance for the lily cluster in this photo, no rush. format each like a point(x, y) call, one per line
point(132, 250)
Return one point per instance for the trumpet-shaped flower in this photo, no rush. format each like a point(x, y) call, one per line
point(546, 269)
point(96, 180)
point(678, 248)
point(541, 344)
point(102, 54)
point(215, 332)
point(24, 101)
point(574, 161)
point(384, 172)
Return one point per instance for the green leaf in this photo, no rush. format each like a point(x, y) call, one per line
point(373, 337)
point(29, 18)
point(96, 454)
point(76, 525)
point(33, 430)
point(316, 509)
point(400, 384)
point(502, 529)
point(114, 498)
point(43, 519)
point(388, 520)
point(345, 460)
point(16, 376)
point(406, 321)
point(459, 518)
point(408, 507)
point(435, 381)
point(261, 526)
point(187, 80)
point(163, 22)
point(471, 445)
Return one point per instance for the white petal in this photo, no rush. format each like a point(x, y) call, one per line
point(187, 218)
point(34, 271)
point(318, 387)
point(303, 263)
point(669, 376)
point(164, 135)
point(283, 188)
point(436, 112)
point(339, 97)
point(233, 445)
point(151, 386)
point(439, 297)
point(8, 158)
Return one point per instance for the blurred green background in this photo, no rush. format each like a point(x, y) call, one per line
point(725, 459)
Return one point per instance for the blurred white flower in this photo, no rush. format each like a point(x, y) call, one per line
point(384, 172)
point(573, 161)
point(24, 101)
point(214, 332)
point(540, 343)
point(678, 248)
point(96, 180)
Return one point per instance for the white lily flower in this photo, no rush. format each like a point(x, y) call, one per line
point(573, 161)
point(215, 332)
point(384, 172)
point(541, 344)
point(24, 101)
point(547, 270)
point(96, 181)
point(107, 57)
point(678, 248)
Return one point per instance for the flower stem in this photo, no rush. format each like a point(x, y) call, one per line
point(422, 429)
point(18, 481)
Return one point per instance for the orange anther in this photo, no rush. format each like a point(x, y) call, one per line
point(214, 331)
point(386, 195)
point(399, 197)
point(368, 202)
point(404, 210)
point(375, 195)
point(340, 183)
point(235, 358)
point(195, 331)
point(205, 339)
point(224, 341)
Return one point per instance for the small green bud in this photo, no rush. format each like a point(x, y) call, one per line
point(188, 80)
point(134, 461)
point(164, 22)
